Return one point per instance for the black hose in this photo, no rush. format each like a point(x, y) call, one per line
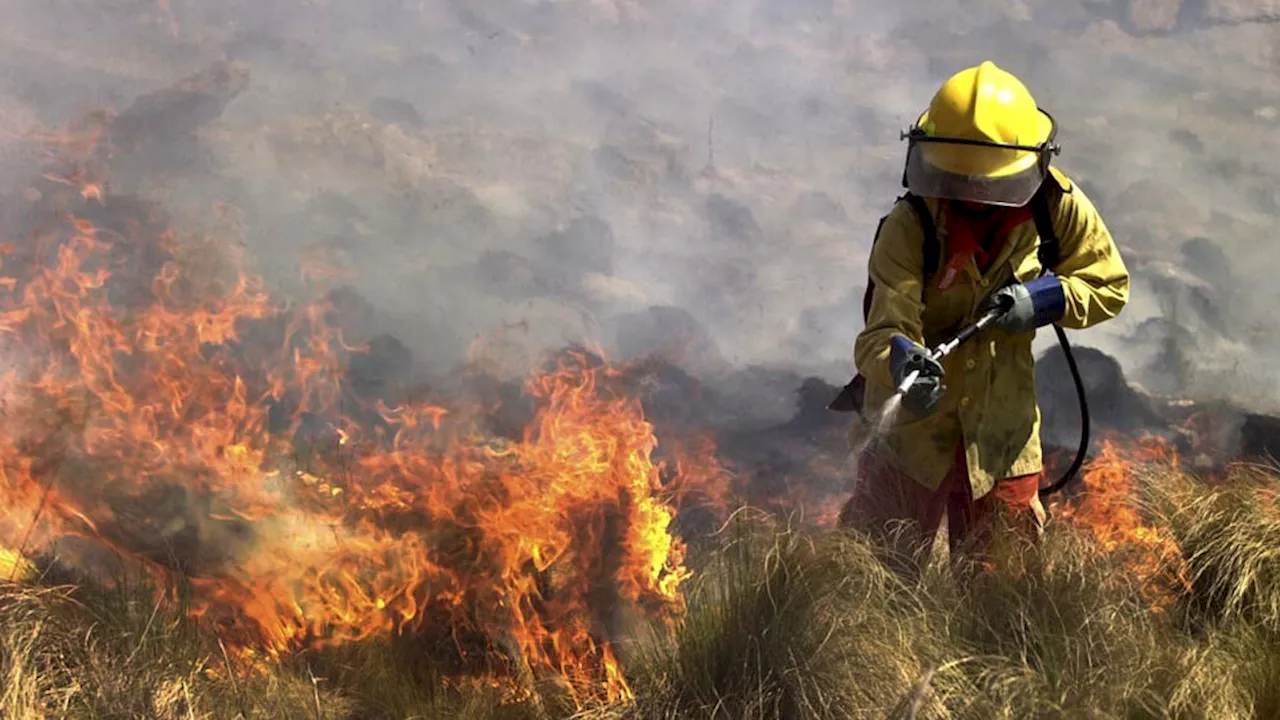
point(1083, 450)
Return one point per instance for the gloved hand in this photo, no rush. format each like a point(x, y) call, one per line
point(905, 357)
point(1030, 305)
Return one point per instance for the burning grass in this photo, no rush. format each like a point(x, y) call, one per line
point(156, 410)
point(223, 524)
point(790, 624)
point(780, 623)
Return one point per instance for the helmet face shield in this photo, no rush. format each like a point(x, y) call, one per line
point(926, 179)
point(979, 171)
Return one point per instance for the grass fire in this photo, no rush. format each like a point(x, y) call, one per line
point(163, 429)
point(184, 450)
point(318, 403)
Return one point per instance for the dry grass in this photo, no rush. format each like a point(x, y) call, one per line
point(87, 653)
point(78, 651)
point(794, 626)
point(781, 624)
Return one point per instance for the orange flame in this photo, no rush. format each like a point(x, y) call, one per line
point(1109, 511)
point(151, 413)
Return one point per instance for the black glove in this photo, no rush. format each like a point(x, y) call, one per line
point(1029, 305)
point(906, 357)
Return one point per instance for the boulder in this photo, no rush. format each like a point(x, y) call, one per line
point(1114, 405)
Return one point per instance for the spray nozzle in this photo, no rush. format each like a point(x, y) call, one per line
point(1003, 305)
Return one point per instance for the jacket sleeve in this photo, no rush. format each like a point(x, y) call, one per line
point(896, 268)
point(1094, 277)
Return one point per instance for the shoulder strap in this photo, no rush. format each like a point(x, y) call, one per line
point(932, 250)
point(1049, 252)
point(871, 284)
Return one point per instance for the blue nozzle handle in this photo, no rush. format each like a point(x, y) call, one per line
point(946, 348)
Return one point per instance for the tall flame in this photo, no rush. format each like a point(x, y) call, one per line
point(1108, 510)
point(156, 407)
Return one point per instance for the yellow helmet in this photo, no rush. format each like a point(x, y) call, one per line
point(983, 139)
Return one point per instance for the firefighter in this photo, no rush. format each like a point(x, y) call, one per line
point(968, 449)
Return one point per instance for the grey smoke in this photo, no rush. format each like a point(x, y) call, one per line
point(634, 173)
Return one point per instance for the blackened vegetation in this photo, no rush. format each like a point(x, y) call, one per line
point(684, 386)
point(732, 220)
point(1114, 406)
point(587, 245)
point(672, 333)
point(157, 133)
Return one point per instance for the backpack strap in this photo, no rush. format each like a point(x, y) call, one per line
point(866, 296)
point(851, 396)
point(932, 249)
point(1049, 253)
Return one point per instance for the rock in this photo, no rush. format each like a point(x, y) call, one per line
point(1239, 11)
point(732, 219)
point(1154, 16)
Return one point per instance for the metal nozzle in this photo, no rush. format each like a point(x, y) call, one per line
point(945, 348)
point(908, 381)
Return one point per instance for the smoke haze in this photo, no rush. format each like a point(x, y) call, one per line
point(701, 178)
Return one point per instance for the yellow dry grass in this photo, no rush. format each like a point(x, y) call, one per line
point(782, 623)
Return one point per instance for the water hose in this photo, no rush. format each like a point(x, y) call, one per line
point(947, 347)
point(1083, 450)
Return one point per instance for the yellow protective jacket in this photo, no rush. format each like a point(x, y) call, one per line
point(990, 400)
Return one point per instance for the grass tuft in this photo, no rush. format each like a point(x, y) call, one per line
point(781, 623)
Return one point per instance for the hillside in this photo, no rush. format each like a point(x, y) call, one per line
point(444, 359)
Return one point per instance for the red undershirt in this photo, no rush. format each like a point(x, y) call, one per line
point(980, 237)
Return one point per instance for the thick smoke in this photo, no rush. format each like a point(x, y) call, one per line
point(701, 178)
